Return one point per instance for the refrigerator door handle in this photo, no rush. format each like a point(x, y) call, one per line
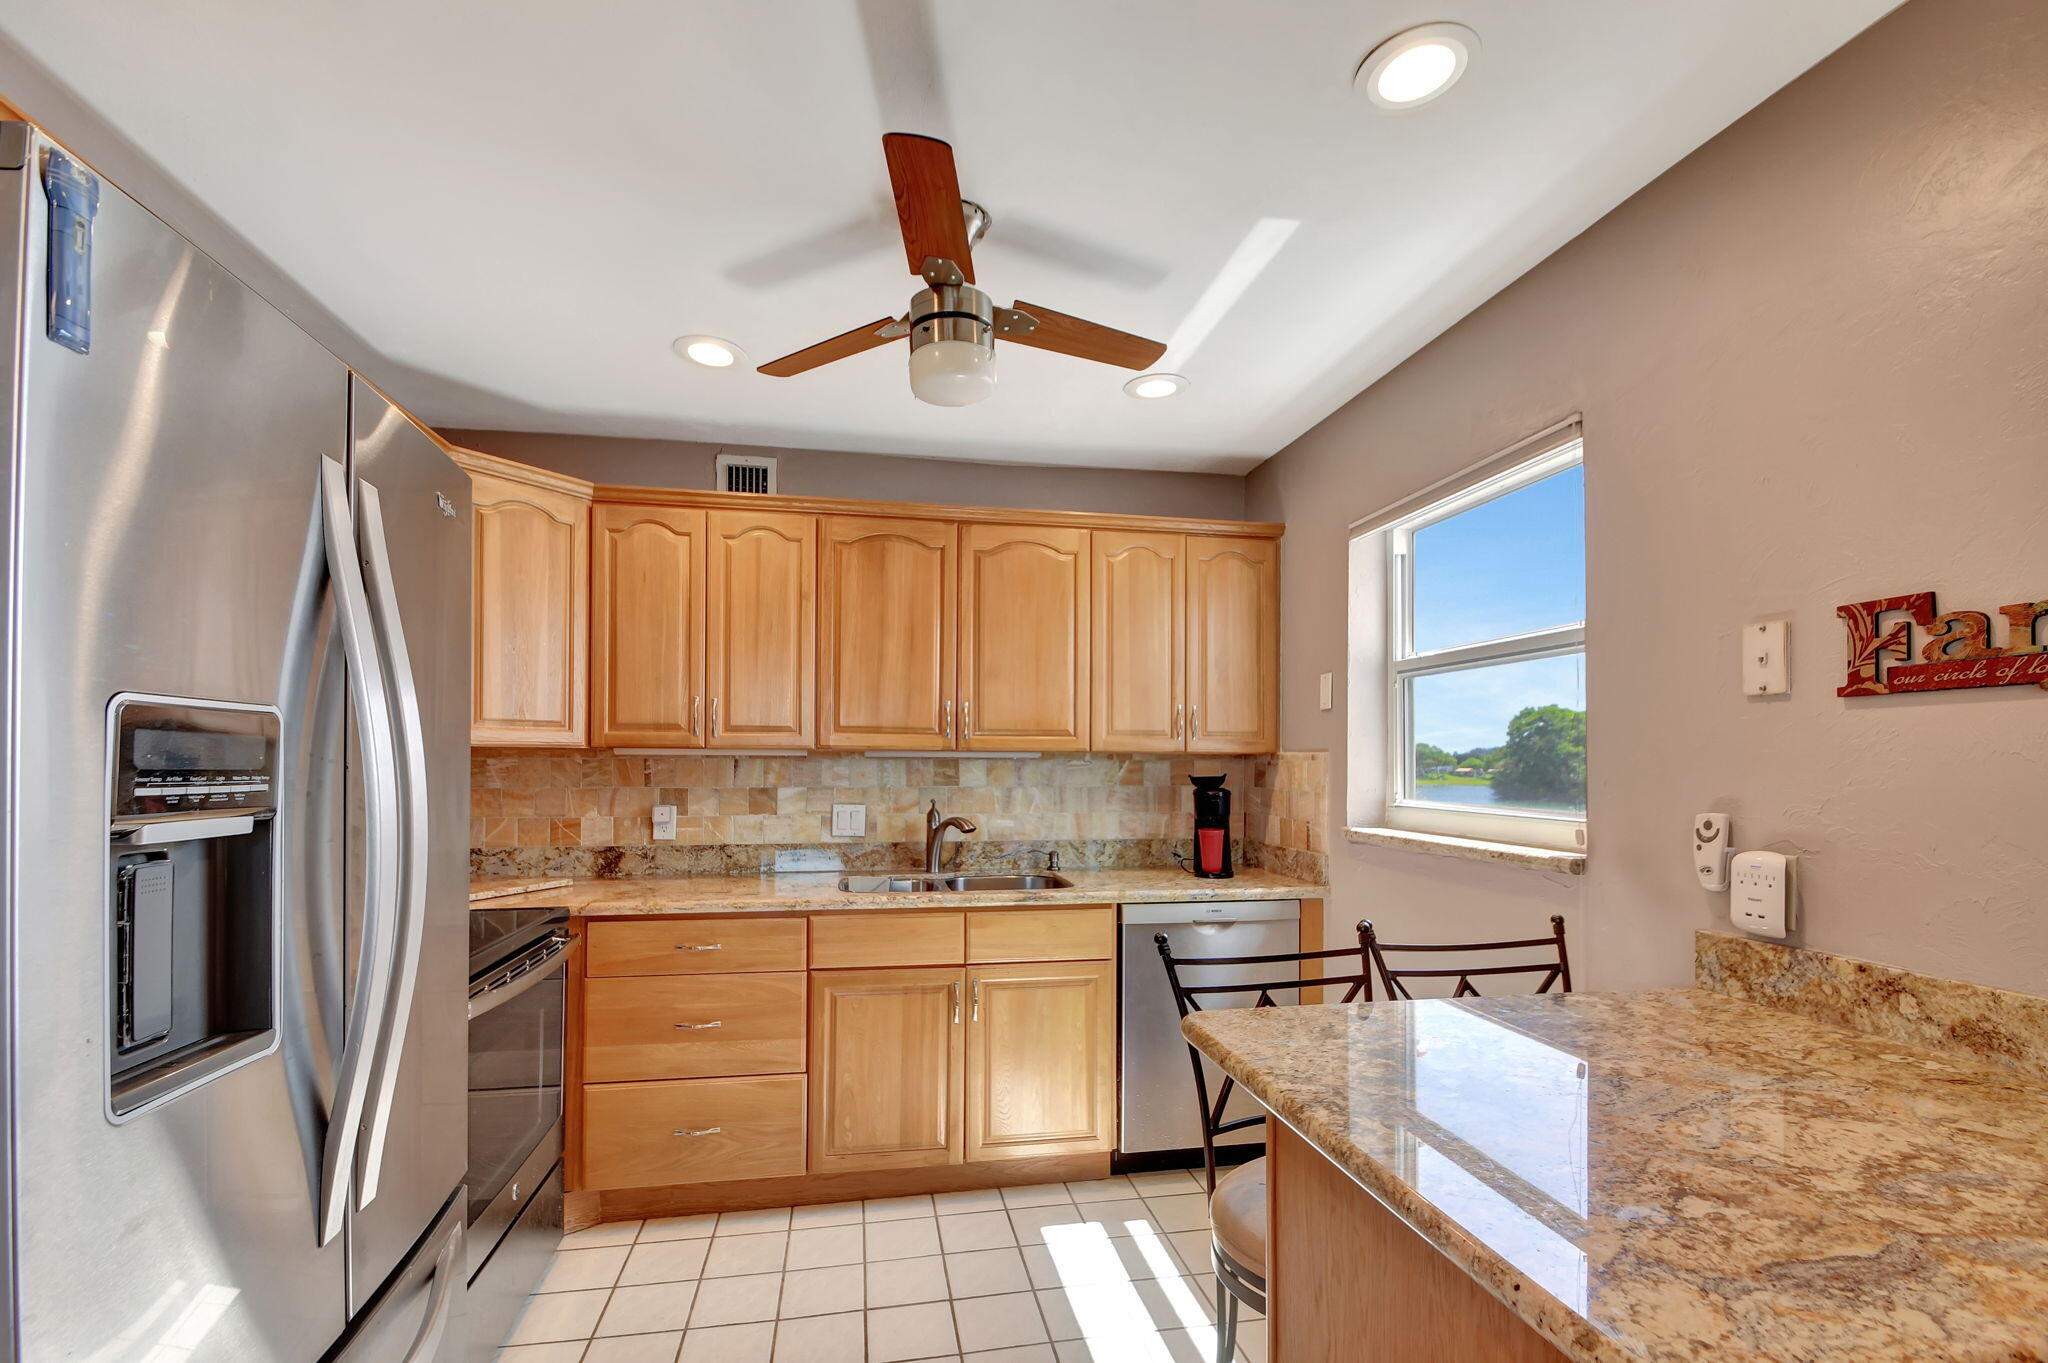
point(380, 859)
point(447, 1279)
point(414, 824)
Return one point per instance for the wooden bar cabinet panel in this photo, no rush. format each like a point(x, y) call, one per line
point(886, 619)
point(886, 1050)
point(761, 629)
point(1024, 638)
point(531, 611)
point(647, 627)
point(1041, 1059)
point(1140, 647)
point(1233, 636)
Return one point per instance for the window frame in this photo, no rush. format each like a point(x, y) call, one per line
point(1528, 828)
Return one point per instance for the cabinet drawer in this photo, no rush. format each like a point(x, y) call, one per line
point(695, 946)
point(737, 1128)
point(696, 1027)
point(885, 939)
point(1078, 934)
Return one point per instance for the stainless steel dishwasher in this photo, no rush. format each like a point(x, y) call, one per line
point(1159, 1123)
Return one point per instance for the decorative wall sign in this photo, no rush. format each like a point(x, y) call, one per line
point(1955, 649)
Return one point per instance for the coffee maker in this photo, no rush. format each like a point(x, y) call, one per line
point(1212, 829)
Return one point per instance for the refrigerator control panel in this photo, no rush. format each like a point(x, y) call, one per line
point(174, 759)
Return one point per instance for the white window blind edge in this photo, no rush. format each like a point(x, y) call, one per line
point(1472, 475)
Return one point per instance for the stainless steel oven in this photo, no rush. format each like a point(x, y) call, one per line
point(517, 1011)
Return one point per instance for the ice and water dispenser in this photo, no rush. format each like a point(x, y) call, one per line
point(192, 894)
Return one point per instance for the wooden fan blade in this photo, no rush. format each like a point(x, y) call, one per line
point(824, 352)
point(1087, 340)
point(928, 201)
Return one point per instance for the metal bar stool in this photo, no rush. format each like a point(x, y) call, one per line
point(1237, 1201)
point(1556, 973)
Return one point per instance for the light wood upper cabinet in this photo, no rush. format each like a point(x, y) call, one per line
point(1024, 641)
point(530, 612)
point(1041, 1060)
point(1233, 644)
point(1140, 652)
point(885, 633)
point(761, 628)
point(886, 1052)
point(647, 627)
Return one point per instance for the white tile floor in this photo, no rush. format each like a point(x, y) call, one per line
point(1111, 1271)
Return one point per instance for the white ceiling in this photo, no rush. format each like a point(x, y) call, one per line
point(520, 204)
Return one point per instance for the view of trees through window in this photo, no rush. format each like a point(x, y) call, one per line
point(1509, 731)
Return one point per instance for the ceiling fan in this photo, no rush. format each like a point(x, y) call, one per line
point(952, 325)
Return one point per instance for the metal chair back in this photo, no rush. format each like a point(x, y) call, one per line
point(1188, 999)
point(1555, 970)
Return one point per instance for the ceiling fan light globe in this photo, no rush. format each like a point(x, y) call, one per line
point(952, 373)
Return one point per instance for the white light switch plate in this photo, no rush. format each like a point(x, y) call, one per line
point(849, 821)
point(664, 823)
point(1760, 896)
point(1766, 671)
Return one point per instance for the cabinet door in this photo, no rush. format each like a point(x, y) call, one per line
point(532, 622)
point(647, 630)
point(1041, 1060)
point(761, 628)
point(1140, 701)
point(1233, 645)
point(1023, 638)
point(886, 1050)
point(885, 633)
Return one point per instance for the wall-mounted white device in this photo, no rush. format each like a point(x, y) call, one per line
point(849, 821)
point(1762, 901)
point(1766, 669)
point(664, 823)
point(1710, 850)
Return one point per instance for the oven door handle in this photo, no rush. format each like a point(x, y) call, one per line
point(542, 967)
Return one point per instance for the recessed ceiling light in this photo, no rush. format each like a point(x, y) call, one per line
point(712, 352)
point(1414, 67)
point(1155, 385)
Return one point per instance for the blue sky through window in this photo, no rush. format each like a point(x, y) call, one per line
point(1508, 566)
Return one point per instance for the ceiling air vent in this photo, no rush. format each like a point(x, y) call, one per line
point(746, 473)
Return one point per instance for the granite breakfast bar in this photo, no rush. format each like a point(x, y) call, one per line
point(1658, 1176)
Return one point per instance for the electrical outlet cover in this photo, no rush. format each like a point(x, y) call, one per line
point(849, 821)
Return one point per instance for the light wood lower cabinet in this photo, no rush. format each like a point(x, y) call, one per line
point(693, 1026)
point(943, 1066)
point(1041, 1059)
point(692, 1131)
point(886, 1051)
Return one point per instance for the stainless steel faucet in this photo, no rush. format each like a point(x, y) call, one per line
point(935, 835)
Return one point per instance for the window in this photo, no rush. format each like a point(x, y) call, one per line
point(1485, 647)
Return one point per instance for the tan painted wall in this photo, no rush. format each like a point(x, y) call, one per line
point(1813, 362)
point(881, 477)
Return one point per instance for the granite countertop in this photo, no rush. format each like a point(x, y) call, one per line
point(811, 892)
point(1679, 1174)
point(485, 888)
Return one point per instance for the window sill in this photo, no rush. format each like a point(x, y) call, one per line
point(1470, 849)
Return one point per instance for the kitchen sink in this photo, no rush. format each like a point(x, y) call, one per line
point(924, 884)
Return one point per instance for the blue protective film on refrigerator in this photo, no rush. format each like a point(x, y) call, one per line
point(74, 194)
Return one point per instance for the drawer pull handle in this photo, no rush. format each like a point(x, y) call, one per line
point(702, 1131)
point(708, 946)
point(697, 1026)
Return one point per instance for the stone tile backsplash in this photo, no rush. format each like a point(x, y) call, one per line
point(544, 811)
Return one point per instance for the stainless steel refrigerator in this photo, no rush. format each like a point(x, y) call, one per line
point(236, 587)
